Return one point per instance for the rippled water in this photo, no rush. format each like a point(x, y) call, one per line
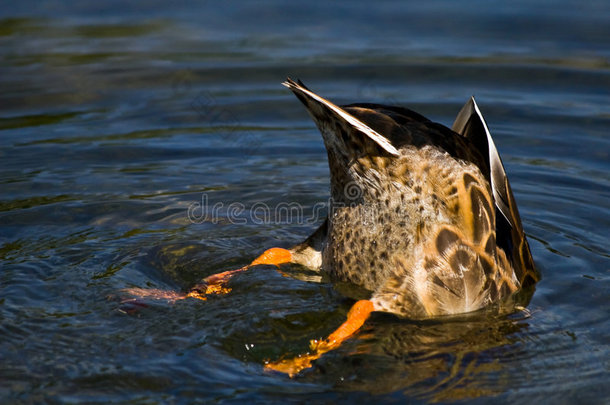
point(117, 119)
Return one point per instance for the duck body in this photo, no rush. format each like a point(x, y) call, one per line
point(421, 216)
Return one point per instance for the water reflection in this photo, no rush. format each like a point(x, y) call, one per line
point(273, 314)
point(457, 358)
point(434, 360)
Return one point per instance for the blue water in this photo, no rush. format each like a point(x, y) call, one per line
point(117, 119)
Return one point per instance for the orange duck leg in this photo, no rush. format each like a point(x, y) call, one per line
point(356, 317)
point(216, 283)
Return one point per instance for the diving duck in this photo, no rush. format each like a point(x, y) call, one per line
point(421, 216)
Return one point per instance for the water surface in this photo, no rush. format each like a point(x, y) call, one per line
point(117, 119)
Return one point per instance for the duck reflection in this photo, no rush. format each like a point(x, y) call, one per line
point(438, 360)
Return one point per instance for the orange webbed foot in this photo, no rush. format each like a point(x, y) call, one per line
point(155, 294)
point(293, 366)
point(356, 317)
point(214, 284)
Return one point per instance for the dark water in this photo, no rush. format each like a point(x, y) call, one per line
point(116, 119)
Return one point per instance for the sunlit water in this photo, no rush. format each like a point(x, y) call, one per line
point(152, 146)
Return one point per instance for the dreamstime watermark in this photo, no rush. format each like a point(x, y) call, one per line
point(260, 213)
point(236, 135)
point(221, 119)
point(372, 90)
point(215, 115)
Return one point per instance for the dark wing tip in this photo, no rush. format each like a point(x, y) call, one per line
point(291, 84)
point(321, 109)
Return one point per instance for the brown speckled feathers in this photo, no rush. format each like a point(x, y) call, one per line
point(421, 216)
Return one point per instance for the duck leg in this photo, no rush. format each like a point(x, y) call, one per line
point(308, 254)
point(356, 317)
point(214, 284)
